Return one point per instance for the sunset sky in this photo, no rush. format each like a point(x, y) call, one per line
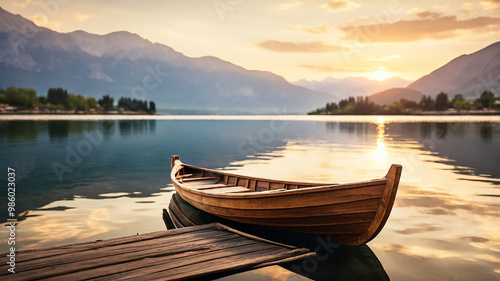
point(295, 39)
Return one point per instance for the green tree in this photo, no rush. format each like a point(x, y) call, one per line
point(58, 96)
point(152, 106)
point(22, 97)
point(42, 100)
point(427, 103)
point(487, 100)
point(106, 102)
point(77, 102)
point(91, 102)
point(442, 101)
point(459, 102)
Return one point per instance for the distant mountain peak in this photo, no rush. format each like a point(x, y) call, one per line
point(110, 43)
point(15, 23)
point(351, 86)
point(395, 94)
point(125, 64)
point(468, 74)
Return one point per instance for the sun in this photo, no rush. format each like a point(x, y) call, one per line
point(380, 75)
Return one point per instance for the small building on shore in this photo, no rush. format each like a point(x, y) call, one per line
point(7, 108)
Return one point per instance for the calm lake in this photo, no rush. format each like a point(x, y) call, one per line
point(82, 180)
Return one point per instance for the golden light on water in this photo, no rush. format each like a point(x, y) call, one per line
point(381, 140)
point(446, 211)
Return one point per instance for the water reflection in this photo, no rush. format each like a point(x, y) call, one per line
point(445, 223)
point(332, 261)
point(441, 130)
point(486, 132)
point(128, 127)
point(125, 127)
point(426, 129)
point(381, 140)
point(19, 133)
point(466, 146)
point(58, 131)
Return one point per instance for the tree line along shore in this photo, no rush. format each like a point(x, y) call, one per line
point(486, 103)
point(58, 100)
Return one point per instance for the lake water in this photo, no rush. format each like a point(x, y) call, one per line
point(82, 180)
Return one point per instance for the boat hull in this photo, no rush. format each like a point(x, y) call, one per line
point(351, 214)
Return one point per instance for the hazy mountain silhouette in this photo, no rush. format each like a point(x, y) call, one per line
point(468, 75)
point(125, 64)
point(351, 86)
point(395, 94)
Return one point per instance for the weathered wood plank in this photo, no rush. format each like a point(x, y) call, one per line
point(36, 254)
point(185, 257)
point(194, 261)
point(204, 187)
point(183, 253)
point(105, 256)
point(359, 206)
point(199, 179)
point(219, 265)
point(226, 190)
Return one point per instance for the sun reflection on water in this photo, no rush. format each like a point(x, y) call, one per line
point(442, 216)
point(381, 154)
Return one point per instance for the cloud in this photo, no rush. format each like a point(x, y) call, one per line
point(79, 17)
point(438, 203)
point(429, 25)
point(82, 17)
point(44, 21)
point(319, 68)
point(300, 47)
point(320, 29)
point(18, 3)
point(384, 58)
point(340, 5)
point(418, 229)
point(425, 14)
point(491, 4)
point(467, 7)
point(290, 5)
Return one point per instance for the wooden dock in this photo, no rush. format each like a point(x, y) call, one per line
point(211, 250)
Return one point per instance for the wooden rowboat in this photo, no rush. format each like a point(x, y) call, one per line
point(350, 214)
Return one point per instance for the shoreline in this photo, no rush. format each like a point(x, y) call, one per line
point(427, 113)
point(423, 113)
point(275, 120)
point(77, 113)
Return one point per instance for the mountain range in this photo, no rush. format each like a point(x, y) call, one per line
point(395, 94)
point(468, 75)
point(351, 86)
point(124, 64)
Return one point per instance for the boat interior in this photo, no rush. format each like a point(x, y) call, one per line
point(212, 182)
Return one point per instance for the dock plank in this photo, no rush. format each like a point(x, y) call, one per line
point(185, 253)
point(119, 253)
point(36, 254)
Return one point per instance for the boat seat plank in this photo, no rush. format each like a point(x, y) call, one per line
point(211, 186)
point(164, 255)
point(226, 190)
point(241, 191)
point(201, 183)
point(199, 179)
